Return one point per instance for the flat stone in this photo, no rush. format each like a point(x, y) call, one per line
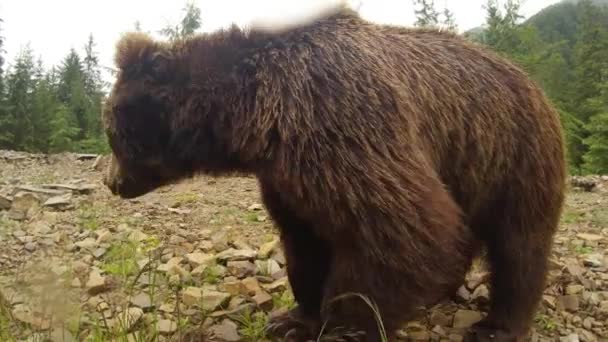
point(267, 248)
point(198, 259)
point(419, 336)
point(232, 254)
point(279, 285)
point(192, 295)
point(255, 207)
point(568, 303)
point(569, 338)
point(263, 300)
point(590, 237)
point(24, 206)
point(466, 318)
point(574, 289)
point(212, 300)
point(481, 295)
point(234, 287)
point(241, 269)
point(250, 287)
point(88, 243)
point(59, 201)
point(96, 283)
point(5, 202)
point(175, 261)
point(130, 317)
point(440, 319)
point(267, 267)
point(166, 326)
point(142, 300)
point(226, 331)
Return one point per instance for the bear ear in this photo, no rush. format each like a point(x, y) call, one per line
point(137, 52)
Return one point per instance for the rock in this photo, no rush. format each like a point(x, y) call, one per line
point(198, 259)
point(99, 164)
point(96, 283)
point(574, 289)
point(419, 336)
point(463, 295)
point(220, 241)
point(440, 319)
point(88, 243)
point(466, 318)
point(261, 218)
point(590, 237)
point(103, 235)
point(24, 314)
point(588, 323)
point(234, 287)
point(237, 255)
point(279, 285)
point(192, 295)
point(24, 206)
point(30, 246)
point(267, 248)
point(61, 335)
point(255, 207)
point(205, 246)
point(569, 303)
point(455, 338)
point(138, 236)
point(263, 300)
point(549, 301)
point(594, 260)
point(212, 300)
point(142, 300)
point(241, 269)
point(569, 338)
point(175, 261)
point(167, 307)
point(586, 336)
point(481, 295)
point(476, 279)
point(5, 202)
point(76, 283)
point(226, 331)
point(80, 267)
point(59, 201)
point(267, 267)
point(166, 326)
point(279, 256)
point(250, 287)
point(129, 318)
point(583, 183)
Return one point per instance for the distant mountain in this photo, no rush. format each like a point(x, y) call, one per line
point(560, 21)
point(554, 23)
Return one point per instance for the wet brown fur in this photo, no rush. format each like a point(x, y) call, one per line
point(384, 155)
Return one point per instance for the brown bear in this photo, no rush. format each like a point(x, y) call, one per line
point(387, 157)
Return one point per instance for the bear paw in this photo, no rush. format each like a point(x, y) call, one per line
point(291, 326)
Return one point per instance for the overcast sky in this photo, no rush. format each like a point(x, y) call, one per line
point(52, 27)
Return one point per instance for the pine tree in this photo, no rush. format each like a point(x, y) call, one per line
point(449, 22)
point(190, 22)
point(6, 120)
point(426, 15)
point(64, 130)
point(93, 91)
point(44, 104)
point(17, 127)
point(71, 91)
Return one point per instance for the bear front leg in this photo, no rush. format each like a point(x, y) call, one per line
point(308, 258)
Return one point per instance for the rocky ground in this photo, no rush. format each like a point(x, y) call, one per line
point(77, 264)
